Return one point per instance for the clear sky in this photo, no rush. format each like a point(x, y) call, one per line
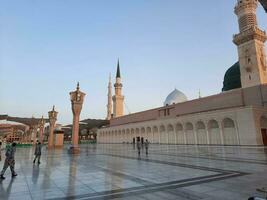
point(46, 46)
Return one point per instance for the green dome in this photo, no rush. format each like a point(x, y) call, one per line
point(232, 78)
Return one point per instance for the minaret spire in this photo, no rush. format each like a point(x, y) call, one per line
point(118, 75)
point(109, 105)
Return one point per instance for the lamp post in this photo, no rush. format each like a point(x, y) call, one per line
point(77, 98)
point(41, 128)
point(52, 121)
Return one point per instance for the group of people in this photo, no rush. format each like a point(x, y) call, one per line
point(10, 157)
point(140, 145)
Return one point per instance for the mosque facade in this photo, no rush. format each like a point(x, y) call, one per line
point(236, 116)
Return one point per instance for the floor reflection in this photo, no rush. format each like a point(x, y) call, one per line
point(72, 174)
point(6, 192)
point(35, 173)
point(100, 169)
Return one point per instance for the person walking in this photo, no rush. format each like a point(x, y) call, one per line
point(10, 160)
point(38, 152)
point(139, 147)
point(146, 146)
point(0, 150)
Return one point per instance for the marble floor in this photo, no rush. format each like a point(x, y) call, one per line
point(115, 171)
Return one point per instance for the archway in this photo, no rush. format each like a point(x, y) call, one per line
point(119, 138)
point(102, 137)
point(133, 139)
point(214, 132)
point(108, 137)
point(111, 139)
point(137, 135)
point(124, 136)
point(149, 134)
point(263, 125)
point(229, 132)
point(143, 135)
point(201, 133)
point(190, 137)
point(115, 138)
point(156, 135)
point(128, 136)
point(163, 135)
point(179, 134)
point(171, 134)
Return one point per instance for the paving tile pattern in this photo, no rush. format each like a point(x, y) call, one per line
point(115, 171)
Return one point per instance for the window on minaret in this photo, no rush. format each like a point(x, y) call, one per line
point(168, 111)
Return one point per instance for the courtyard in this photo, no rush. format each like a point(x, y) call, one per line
point(116, 171)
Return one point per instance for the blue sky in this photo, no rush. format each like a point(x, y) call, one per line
point(47, 46)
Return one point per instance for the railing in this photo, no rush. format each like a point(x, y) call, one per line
point(23, 145)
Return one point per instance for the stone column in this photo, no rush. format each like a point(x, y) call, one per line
point(237, 133)
point(208, 135)
point(77, 98)
point(185, 138)
point(221, 134)
point(41, 128)
point(175, 135)
point(35, 127)
point(29, 137)
point(52, 122)
point(195, 136)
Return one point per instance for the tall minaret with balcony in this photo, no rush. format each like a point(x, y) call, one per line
point(109, 105)
point(118, 98)
point(250, 42)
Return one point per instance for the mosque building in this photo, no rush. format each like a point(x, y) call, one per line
point(236, 116)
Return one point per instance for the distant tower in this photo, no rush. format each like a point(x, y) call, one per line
point(118, 98)
point(250, 42)
point(109, 105)
point(199, 94)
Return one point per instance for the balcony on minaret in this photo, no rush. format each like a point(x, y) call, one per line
point(250, 34)
point(118, 88)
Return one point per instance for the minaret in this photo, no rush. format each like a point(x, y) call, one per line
point(199, 94)
point(109, 105)
point(118, 98)
point(250, 42)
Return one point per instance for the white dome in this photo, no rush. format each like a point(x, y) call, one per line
point(175, 97)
